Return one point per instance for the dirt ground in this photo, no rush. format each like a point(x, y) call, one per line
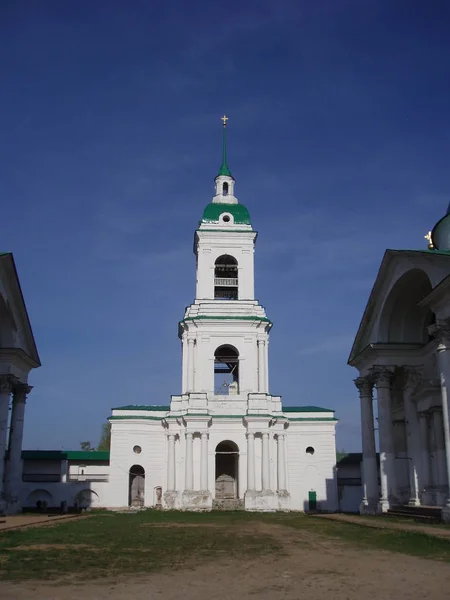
point(19, 521)
point(307, 569)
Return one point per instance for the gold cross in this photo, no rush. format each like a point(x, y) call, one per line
point(428, 238)
point(224, 119)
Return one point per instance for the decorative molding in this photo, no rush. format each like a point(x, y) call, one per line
point(412, 377)
point(382, 376)
point(364, 385)
point(7, 383)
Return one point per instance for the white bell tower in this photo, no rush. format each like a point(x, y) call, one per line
point(225, 332)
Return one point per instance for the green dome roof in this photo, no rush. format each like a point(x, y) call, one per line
point(213, 211)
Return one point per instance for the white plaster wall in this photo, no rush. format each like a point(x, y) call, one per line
point(150, 436)
point(315, 472)
point(212, 245)
point(66, 492)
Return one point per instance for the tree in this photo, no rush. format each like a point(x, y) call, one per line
point(86, 447)
point(105, 438)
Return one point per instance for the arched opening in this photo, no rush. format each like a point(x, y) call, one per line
point(226, 371)
point(402, 320)
point(227, 462)
point(86, 499)
point(8, 327)
point(40, 500)
point(225, 189)
point(226, 278)
point(136, 494)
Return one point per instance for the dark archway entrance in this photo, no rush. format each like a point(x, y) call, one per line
point(227, 462)
point(136, 494)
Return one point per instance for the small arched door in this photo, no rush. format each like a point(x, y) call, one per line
point(227, 460)
point(136, 486)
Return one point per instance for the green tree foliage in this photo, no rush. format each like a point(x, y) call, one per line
point(86, 447)
point(105, 437)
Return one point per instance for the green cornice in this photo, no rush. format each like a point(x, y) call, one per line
point(329, 419)
point(83, 455)
point(143, 407)
point(134, 418)
point(306, 409)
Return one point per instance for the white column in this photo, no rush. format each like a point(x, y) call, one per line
point(370, 468)
point(438, 426)
point(204, 462)
point(190, 364)
point(442, 331)
point(171, 462)
point(425, 452)
point(412, 434)
point(189, 474)
point(387, 471)
point(266, 366)
point(6, 383)
point(265, 462)
point(281, 463)
point(183, 364)
point(14, 463)
point(261, 365)
point(250, 461)
point(64, 470)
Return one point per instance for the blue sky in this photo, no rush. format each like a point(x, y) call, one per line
point(110, 141)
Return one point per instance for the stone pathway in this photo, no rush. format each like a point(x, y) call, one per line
point(19, 521)
point(385, 523)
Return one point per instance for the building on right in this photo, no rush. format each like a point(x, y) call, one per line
point(402, 354)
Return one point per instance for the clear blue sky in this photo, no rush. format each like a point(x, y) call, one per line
point(110, 141)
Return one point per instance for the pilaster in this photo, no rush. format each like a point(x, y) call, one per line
point(370, 468)
point(383, 378)
point(411, 379)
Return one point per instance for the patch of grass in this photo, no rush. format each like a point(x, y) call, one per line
point(393, 540)
point(112, 544)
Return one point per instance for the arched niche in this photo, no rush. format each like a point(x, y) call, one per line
point(402, 320)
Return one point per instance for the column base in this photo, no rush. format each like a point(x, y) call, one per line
point(383, 505)
point(446, 514)
point(196, 500)
point(369, 507)
point(284, 500)
point(172, 500)
point(414, 502)
point(263, 501)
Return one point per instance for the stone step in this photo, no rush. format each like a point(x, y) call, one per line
point(426, 514)
point(228, 504)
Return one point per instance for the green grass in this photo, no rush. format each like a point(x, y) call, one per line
point(114, 545)
point(109, 544)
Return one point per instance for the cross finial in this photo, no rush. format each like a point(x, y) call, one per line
point(430, 242)
point(224, 119)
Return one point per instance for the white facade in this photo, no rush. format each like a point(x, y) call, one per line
point(225, 441)
point(402, 352)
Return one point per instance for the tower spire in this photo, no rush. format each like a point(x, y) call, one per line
point(224, 169)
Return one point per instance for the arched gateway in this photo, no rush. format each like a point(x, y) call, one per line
point(227, 462)
point(136, 486)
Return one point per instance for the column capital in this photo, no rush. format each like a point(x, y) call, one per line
point(20, 392)
point(441, 332)
point(412, 377)
point(382, 376)
point(7, 383)
point(250, 434)
point(265, 433)
point(190, 339)
point(364, 385)
point(189, 434)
